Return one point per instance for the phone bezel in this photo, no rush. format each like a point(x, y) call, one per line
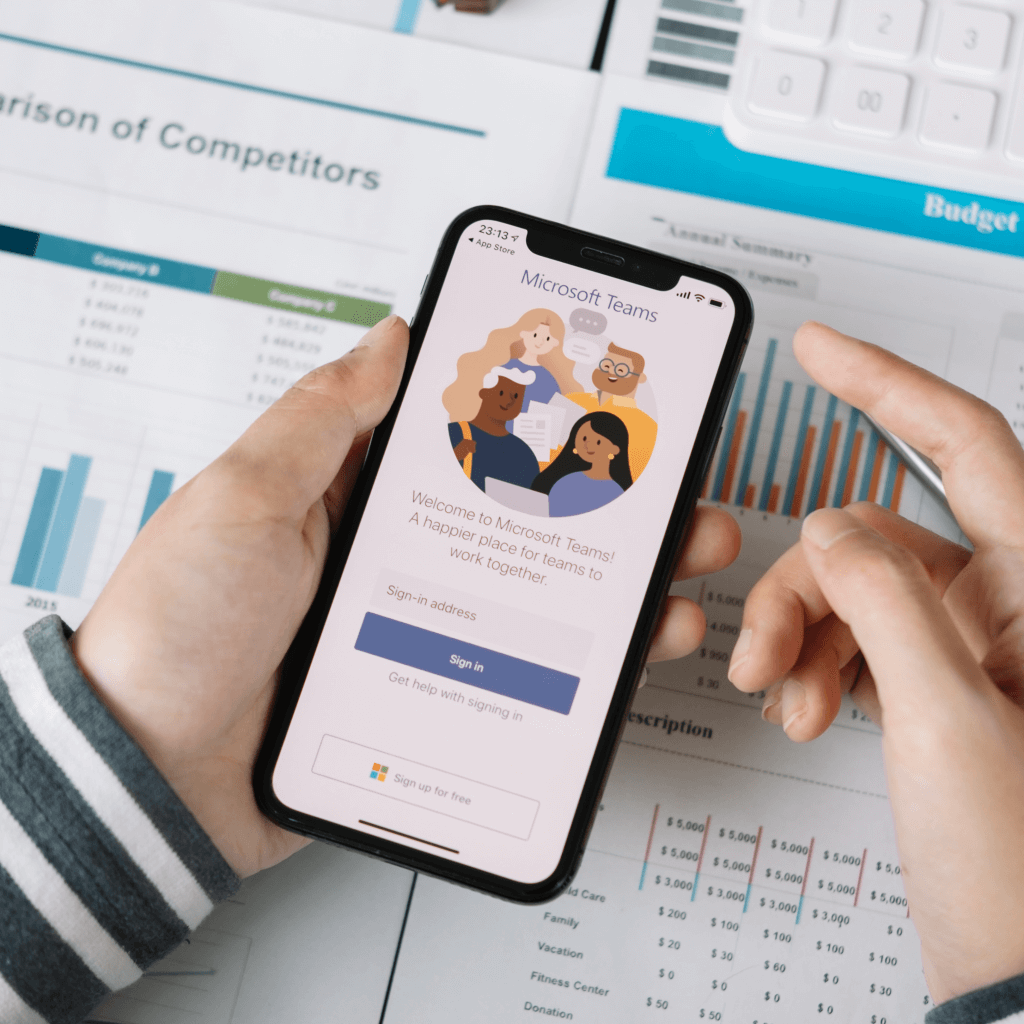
point(639, 265)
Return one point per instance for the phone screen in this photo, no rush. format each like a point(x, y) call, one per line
point(491, 592)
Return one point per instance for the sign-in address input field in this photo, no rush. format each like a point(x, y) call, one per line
point(478, 619)
point(410, 782)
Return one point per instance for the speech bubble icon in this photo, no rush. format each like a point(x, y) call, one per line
point(582, 350)
point(588, 321)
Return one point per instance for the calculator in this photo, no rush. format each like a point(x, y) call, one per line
point(926, 88)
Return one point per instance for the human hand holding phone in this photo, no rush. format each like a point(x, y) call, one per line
point(929, 639)
point(185, 642)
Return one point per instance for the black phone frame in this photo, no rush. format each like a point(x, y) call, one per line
point(640, 266)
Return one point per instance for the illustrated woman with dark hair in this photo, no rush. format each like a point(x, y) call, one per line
point(592, 470)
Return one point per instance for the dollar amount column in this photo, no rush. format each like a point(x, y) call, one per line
point(829, 940)
point(697, 885)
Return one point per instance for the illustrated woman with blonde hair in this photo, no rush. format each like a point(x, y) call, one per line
point(531, 345)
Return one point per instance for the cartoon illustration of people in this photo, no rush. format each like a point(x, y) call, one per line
point(533, 344)
point(483, 444)
point(616, 379)
point(526, 355)
point(592, 469)
point(511, 402)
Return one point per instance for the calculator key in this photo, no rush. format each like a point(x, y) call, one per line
point(809, 20)
point(891, 28)
point(869, 102)
point(958, 117)
point(786, 86)
point(972, 39)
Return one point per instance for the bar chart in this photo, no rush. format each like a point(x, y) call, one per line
point(61, 533)
point(789, 447)
point(77, 484)
point(63, 524)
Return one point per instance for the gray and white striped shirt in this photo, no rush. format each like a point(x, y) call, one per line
point(102, 868)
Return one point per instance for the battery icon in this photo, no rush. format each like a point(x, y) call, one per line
point(715, 302)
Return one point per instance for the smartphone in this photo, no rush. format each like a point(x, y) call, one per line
point(454, 697)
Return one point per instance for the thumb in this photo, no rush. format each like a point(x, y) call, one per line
point(293, 452)
point(920, 663)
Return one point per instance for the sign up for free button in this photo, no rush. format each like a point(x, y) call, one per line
point(410, 782)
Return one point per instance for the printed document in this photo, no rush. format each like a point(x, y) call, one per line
point(200, 203)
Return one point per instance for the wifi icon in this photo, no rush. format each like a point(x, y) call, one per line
point(699, 298)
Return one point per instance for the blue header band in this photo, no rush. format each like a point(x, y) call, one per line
point(125, 264)
point(687, 156)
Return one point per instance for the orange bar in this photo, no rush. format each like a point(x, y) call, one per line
point(748, 498)
point(805, 463)
point(851, 472)
point(876, 470)
point(734, 455)
point(897, 488)
point(773, 499)
point(830, 459)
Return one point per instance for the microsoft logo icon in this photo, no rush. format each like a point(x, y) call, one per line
point(379, 772)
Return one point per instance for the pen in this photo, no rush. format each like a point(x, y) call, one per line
point(922, 467)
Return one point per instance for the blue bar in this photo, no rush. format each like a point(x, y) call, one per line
point(38, 527)
point(407, 16)
point(159, 491)
point(798, 453)
point(844, 466)
point(819, 466)
point(746, 899)
point(696, 879)
point(135, 266)
point(643, 873)
point(63, 524)
point(725, 444)
point(869, 465)
point(487, 670)
point(755, 423)
point(83, 540)
point(773, 454)
point(890, 479)
point(688, 156)
point(799, 909)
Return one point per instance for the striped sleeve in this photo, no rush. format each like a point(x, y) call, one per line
point(1002, 1003)
point(103, 870)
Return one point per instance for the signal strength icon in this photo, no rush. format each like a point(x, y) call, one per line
point(682, 295)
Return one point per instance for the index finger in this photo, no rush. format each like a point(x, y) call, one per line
point(980, 457)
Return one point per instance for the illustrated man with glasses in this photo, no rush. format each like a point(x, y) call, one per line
point(616, 379)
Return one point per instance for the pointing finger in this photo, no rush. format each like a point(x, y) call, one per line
point(981, 459)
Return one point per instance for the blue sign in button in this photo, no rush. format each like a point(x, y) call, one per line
point(467, 663)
